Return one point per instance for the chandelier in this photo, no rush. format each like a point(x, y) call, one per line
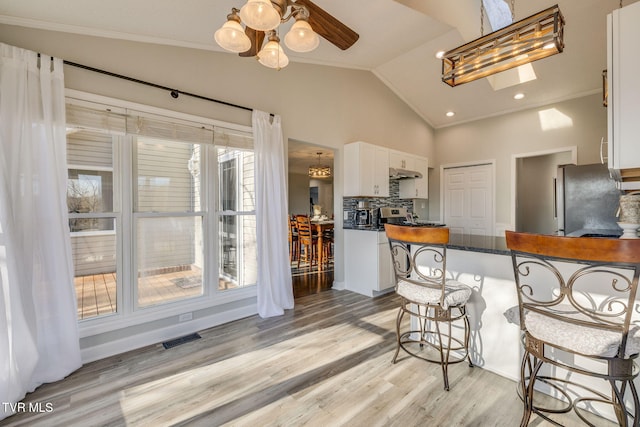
point(536, 37)
point(263, 17)
point(319, 170)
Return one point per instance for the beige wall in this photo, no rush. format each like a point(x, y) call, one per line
point(320, 105)
point(580, 122)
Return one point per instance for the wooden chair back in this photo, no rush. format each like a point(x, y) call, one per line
point(305, 233)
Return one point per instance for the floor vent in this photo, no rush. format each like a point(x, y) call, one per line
point(181, 340)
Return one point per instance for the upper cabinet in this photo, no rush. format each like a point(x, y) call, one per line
point(416, 188)
point(366, 170)
point(623, 69)
point(400, 160)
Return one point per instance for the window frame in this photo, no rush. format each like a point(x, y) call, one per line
point(128, 314)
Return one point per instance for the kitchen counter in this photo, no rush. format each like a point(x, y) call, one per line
point(463, 242)
point(476, 243)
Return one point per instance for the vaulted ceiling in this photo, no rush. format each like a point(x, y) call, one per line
point(398, 42)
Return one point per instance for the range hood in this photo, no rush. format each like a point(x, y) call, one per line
point(396, 173)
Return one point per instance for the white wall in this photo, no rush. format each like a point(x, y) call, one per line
point(578, 122)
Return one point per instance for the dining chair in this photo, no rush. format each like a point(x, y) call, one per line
point(436, 304)
point(294, 242)
point(576, 301)
point(307, 241)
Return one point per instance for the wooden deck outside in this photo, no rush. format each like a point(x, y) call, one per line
point(96, 294)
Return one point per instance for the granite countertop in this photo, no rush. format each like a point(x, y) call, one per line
point(476, 243)
point(464, 242)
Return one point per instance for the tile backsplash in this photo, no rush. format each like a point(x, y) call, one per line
point(349, 204)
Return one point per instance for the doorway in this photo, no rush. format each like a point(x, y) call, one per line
point(313, 197)
point(533, 189)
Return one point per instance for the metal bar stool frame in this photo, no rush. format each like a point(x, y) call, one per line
point(408, 245)
point(613, 262)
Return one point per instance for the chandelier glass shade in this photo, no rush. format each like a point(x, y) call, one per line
point(301, 37)
point(272, 55)
point(319, 170)
point(536, 37)
point(263, 15)
point(260, 15)
point(231, 35)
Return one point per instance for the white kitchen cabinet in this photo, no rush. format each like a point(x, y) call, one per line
point(367, 260)
point(623, 68)
point(366, 170)
point(416, 188)
point(400, 160)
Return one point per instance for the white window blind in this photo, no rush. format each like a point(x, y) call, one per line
point(121, 121)
point(153, 126)
point(232, 138)
point(94, 116)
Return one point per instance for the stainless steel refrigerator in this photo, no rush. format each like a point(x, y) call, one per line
point(586, 201)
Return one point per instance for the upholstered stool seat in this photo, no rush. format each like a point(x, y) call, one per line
point(589, 341)
point(455, 293)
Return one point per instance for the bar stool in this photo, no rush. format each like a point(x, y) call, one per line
point(576, 298)
point(419, 256)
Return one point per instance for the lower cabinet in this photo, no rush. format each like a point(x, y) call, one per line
point(368, 267)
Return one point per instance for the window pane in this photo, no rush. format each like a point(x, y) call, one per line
point(236, 224)
point(167, 174)
point(90, 191)
point(170, 259)
point(238, 256)
point(94, 263)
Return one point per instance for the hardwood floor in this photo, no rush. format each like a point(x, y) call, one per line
point(327, 362)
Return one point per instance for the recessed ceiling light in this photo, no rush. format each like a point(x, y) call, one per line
point(450, 114)
point(440, 54)
point(518, 96)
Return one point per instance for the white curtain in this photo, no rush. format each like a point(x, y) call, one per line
point(275, 291)
point(39, 339)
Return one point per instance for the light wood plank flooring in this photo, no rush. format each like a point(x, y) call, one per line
point(325, 363)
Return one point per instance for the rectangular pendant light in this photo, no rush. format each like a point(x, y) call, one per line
point(525, 41)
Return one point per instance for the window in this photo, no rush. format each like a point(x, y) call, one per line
point(160, 215)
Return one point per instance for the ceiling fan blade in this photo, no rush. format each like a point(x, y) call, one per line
point(256, 37)
point(329, 27)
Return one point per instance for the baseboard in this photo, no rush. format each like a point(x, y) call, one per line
point(156, 336)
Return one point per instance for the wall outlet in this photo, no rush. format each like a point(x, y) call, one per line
point(185, 317)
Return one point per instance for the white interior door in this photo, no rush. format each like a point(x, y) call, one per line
point(468, 199)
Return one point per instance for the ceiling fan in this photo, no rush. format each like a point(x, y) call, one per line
point(262, 17)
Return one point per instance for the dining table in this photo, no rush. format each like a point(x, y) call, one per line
point(321, 226)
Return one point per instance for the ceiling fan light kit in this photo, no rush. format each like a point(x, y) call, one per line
point(264, 16)
point(530, 39)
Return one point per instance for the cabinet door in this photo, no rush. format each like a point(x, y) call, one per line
point(624, 87)
point(416, 188)
point(399, 160)
point(385, 268)
point(380, 171)
point(359, 177)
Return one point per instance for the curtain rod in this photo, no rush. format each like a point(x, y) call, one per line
point(174, 92)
